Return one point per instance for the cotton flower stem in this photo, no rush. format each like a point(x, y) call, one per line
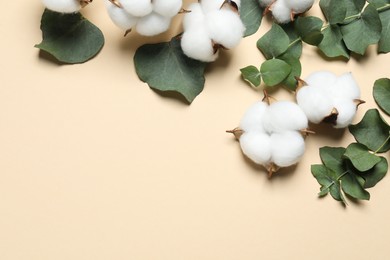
point(306, 132)
point(116, 3)
point(272, 168)
point(184, 11)
point(382, 145)
point(237, 132)
point(267, 98)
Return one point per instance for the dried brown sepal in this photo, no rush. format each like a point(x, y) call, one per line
point(306, 132)
point(184, 11)
point(127, 32)
point(84, 3)
point(358, 102)
point(272, 168)
point(237, 132)
point(300, 84)
point(230, 4)
point(332, 118)
point(268, 99)
point(268, 8)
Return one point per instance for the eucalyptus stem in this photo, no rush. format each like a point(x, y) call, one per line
point(384, 143)
point(294, 42)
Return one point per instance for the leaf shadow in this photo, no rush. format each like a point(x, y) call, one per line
point(172, 95)
point(223, 60)
point(45, 56)
point(331, 59)
point(340, 203)
point(328, 131)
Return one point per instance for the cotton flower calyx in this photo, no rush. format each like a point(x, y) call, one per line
point(147, 17)
point(65, 6)
point(209, 26)
point(284, 11)
point(269, 134)
point(325, 97)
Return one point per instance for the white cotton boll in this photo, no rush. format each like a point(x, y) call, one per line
point(280, 12)
point(197, 45)
point(225, 27)
point(345, 87)
point(321, 79)
point(167, 8)
point(138, 8)
point(120, 17)
point(253, 117)
point(211, 5)
point(284, 116)
point(287, 148)
point(265, 3)
point(153, 24)
point(315, 103)
point(62, 6)
point(256, 146)
point(347, 112)
point(299, 6)
point(194, 18)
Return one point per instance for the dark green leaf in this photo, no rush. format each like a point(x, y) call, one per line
point(274, 71)
point(360, 33)
point(334, 10)
point(332, 158)
point(274, 42)
point(309, 29)
point(379, 3)
point(290, 82)
point(382, 94)
point(384, 42)
point(376, 174)
point(295, 45)
point(372, 131)
point(70, 38)
point(352, 185)
point(333, 45)
point(354, 6)
point(328, 181)
point(251, 15)
point(360, 157)
point(252, 75)
point(165, 67)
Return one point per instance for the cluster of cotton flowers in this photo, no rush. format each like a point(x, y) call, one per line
point(270, 135)
point(210, 25)
point(65, 6)
point(148, 17)
point(284, 11)
point(325, 97)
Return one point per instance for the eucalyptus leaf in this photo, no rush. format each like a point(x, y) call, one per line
point(335, 11)
point(384, 42)
point(252, 75)
point(274, 43)
point(295, 46)
point(372, 131)
point(352, 185)
point(274, 71)
point(329, 182)
point(354, 6)
point(296, 68)
point(376, 174)
point(309, 29)
point(360, 157)
point(251, 15)
point(164, 66)
point(333, 45)
point(379, 3)
point(70, 38)
point(363, 31)
point(332, 158)
point(382, 94)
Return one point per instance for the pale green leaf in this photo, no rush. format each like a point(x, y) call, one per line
point(274, 42)
point(70, 38)
point(309, 29)
point(274, 71)
point(165, 67)
point(332, 158)
point(333, 45)
point(290, 82)
point(334, 10)
point(329, 182)
point(360, 157)
point(252, 75)
point(251, 14)
point(295, 45)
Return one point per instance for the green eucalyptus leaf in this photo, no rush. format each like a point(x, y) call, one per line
point(290, 82)
point(329, 182)
point(335, 11)
point(295, 46)
point(372, 131)
point(352, 185)
point(379, 3)
point(360, 157)
point(382, 94)
point(274, 71)
point(70, 38)
point(252, 75)
point(274, 42)
point(376, 174)
point(384, 42)
point(333, 45)
point(251, 15)
point(309, 29)
point(332, 158)
point(164, 66)
point(362, 32)
point(354, 6)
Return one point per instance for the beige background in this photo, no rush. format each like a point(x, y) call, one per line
point(95, 165)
